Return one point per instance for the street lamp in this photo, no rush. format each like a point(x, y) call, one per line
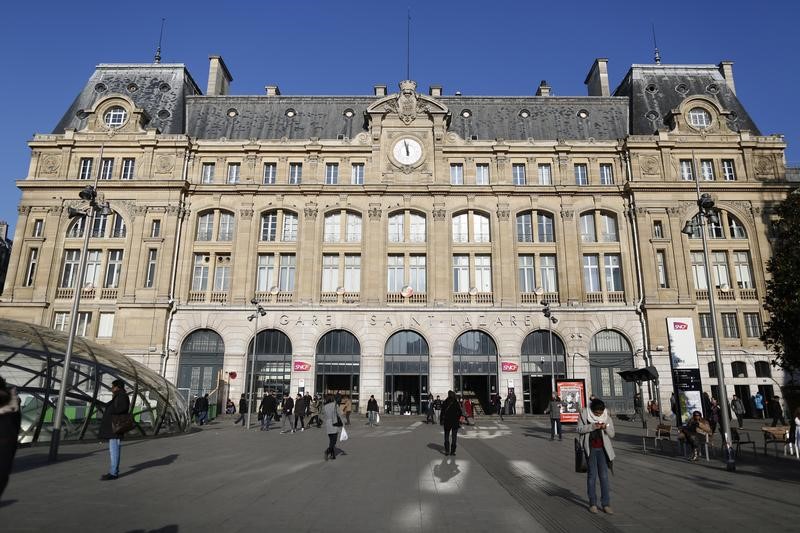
point(550, 321)
point(87, 214)
point(259, 312)
point(705, 216)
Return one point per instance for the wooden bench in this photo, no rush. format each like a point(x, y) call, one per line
point(742, 438)
point(661, 433)
point(776, 435)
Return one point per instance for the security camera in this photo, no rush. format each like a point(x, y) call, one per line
point(254, 301)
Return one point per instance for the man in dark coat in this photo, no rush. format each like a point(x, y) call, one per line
point(451, 414)
point(242, 411)
point(776, 411)
point(269, 406)
point(299, 412)
point(119, 405)
point(9, 430)
point(202, 409)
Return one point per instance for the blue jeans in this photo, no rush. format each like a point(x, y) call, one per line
point(114, 449)
point(266, 421)
point(598, 466)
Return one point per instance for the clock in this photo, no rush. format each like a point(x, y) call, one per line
point(407, 151)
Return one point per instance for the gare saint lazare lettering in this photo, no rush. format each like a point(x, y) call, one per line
point(393, 320)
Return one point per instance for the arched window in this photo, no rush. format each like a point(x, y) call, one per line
point(101, 229)
point(201, 357)
point(544, 230)
point(406, 370)
point(536, 354)
point(471, 227)
point(278, 225)
point(205, 226)
point(736, 228)
point(338, 365)
point(608, 228)
point(342, 224)
point(273, 366)
point(763, 369)
point(407, 226)
point(604, 221)
point(226, 227)
point(588, 232)
point(610, 353)
point(739, 369)
point(475, 367)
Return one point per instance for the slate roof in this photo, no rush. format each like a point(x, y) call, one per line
point(159, 88)
point(655, 90)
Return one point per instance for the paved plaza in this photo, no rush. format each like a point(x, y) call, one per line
point(506, 476)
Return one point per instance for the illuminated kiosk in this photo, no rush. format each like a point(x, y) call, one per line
point(31, 359)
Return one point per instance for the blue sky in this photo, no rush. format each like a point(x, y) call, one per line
point(314, 47)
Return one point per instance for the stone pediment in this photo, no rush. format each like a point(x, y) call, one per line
point(408, 104)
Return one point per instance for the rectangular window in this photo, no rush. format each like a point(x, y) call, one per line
point(728, 170)
point(545, 174)
point(70, 271)
point(352, 273)
point(752, 325)
point(591, 273)
point(661, 269)
point(395, 272)
point(330, 272)
point(200, 273)
point(289, 227)
point(150, 274)
point(483, 273)
point(658, 230)
point(288, 266)
point(331, 173)
point(113, 269)
point(118, 230)
point(527, 274)
point(482, 174)
point(480, 228)
point(613, 272)
point(687, 170)
point(744, 274)
point(222, 274)
point(548, 273)
point(84, 319)
point(588, 233)
point(105, 325)
point(699, 271)
point(353, 229)
point(155, 228)
point(207, 174)
point(86, 169)
point(270, 173)
point(226, 226)
point(518, 174)
point(707, 169)
point(128, 168)
point(205, 227)
point(61, 321)
point(581, 174)
point(606, 174)
point(357, 174)
point(456, 174)
point(30, 272)
point(269, 226)
point(234, 172)
point(38, 227)
point(417, 273)
point(730, 329)
point(265, 272)
point(295, 173)
point(460, 231)
point(333, 228)
point(545, 226)
point(524, 228)
point(719, 265)
point(460, 273)
point(93, 262)
point(705, 325)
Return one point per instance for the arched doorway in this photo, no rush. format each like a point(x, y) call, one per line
point(536, 369)
point(610, 353)
point(202, 353)
point(338, 365)
point(475, 367)
point(405, 361)
point(273, 369)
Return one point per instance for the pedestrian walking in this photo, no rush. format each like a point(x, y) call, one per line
point(468, 411)
point(347, 408)
point(512, 403)
point(429, 410)
point(10, 420)
point(333, 422)
point(796, 440)
point(554, 408)
point(286, 409)
point(776, 411)
point(451, 420)
point(758, 404)
point(637, 407)
point(497, 405)
point(437, 409)
point(202, 409)
point(299, 412)
point(314, 409)
point(268, 408)
point(372, 411)
point(737, 408)
point(597, 429)
point(119, 405)
point(714, 417)
point(242, 411)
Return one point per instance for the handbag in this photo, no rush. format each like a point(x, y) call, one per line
point(377, 418)
point(122, 423)
point(338, 422)
point(580, 458)
point(343, 436)
point(260, 417)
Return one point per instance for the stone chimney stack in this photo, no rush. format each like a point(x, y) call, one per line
point(3, 231)
point(543, 89)
point(726, 69)
point(379, 90)
point(219, 77)
point(435, 90)
point(272, 90)
point(597, 79)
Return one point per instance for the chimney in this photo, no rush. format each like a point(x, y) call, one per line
point(435, 90)
point(272, 90)
point(3, 230)
point(726, 69)
point(543, 89)
point(380, 90)
point(597, 79)
point(219, 77)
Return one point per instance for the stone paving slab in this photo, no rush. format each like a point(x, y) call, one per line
point(506, 476)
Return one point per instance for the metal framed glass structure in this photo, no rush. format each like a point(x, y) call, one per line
point(338, 365)
point(536, 367)
point(475, 368)
point(273, 368)
point(405, 361)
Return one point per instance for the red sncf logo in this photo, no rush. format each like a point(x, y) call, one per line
point(680, 325)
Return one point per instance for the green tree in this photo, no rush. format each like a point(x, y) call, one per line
point(782, 332)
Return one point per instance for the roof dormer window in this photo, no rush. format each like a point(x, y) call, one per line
point(699, 117)
point(115, 117)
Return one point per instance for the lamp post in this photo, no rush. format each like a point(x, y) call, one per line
point(707, 214)
point(87, 194)
point(550, 321)
point(259, 312)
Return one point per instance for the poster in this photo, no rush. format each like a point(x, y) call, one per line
point(685, 367)
point(573, 394)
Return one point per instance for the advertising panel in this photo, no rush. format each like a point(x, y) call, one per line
point(685, 367)
point(573, 393)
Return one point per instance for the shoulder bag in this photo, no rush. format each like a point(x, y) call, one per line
point(121, 424)
point(580, 458)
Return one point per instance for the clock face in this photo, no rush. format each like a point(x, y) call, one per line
point(407, 151)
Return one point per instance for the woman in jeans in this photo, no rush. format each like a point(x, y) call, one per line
point(331, 416)
point(596, 430)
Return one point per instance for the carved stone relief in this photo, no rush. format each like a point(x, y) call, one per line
point(50, 164)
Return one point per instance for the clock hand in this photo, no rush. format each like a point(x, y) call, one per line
point(407, 152)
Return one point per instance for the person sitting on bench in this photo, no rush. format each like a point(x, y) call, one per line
point(693, 431)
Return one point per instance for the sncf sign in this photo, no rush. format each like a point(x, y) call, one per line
point(680, 326)
point(509, 367)
point(300, 366)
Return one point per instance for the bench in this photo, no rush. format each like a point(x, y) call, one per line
point(742, 438)
point(661, 433)
point(776, 435)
